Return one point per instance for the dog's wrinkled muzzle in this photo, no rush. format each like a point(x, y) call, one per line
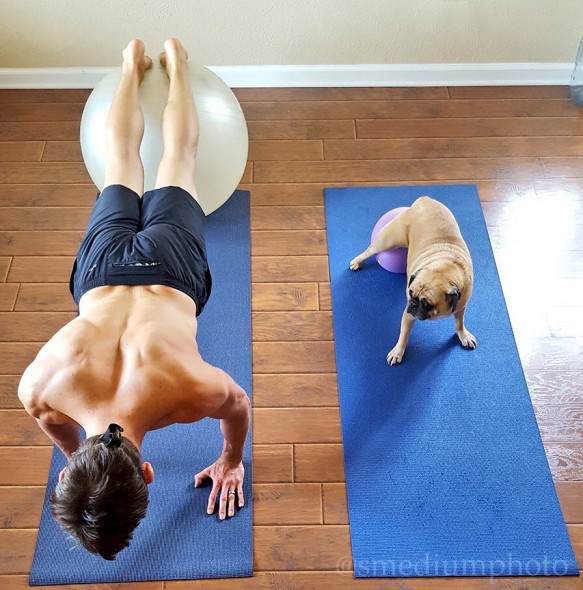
point(414, 309)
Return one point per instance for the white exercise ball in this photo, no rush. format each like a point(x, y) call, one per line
point(223, 143)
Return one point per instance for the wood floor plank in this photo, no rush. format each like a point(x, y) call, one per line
point(21, 151)
point(318, 463)
point(555, 386)
point(495, 190)
point(285, 149)
point(338, 93)
point(463, 147)
point(37, 111)
point(343, 579)
point(16, 550)
point(570, 188)
point(63, 151)
point(24, 466)
point(284, 297)
point(16, 356)
point(409, 109)
point(293, 357)
point(565, 460)
point(291, 425)
point(325, 296)
point(40, 243)
point(41, 269)
point(285, 504)
point(45, 218)
point(282, 243)
point(551, 353)
point(32, 326)
point(8, 295)
point(565, 167)
point(39, 131)
point(19, 429)
point(291, 326)
point(474, 127)
point(392, 170)
point(20, 507)
point(305, 547)
point(298, 130)
point(272, 463)
point(508, 92)
point(334, 503)
point(43, 173)
point(31, 95)
point(16, 582)
point(5, 262)
point(285, 391)
point(8, 389)
point(47, 195)
point(288, 218)
point(45, 297)
point(290, 194)
point(285, 269)
point(571, 497)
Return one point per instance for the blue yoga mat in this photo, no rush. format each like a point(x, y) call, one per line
point(177, 539)
point(446, 473)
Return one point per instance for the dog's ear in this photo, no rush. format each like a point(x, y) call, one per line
point(452, 297)
point(412, 278)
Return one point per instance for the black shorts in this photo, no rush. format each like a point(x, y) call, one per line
point(155, 240)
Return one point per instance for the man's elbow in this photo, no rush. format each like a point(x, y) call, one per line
point(242, 405)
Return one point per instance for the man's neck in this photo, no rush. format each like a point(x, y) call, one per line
point(133, 431)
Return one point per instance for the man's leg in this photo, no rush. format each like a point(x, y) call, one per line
point(179, 123)
point(125, 123)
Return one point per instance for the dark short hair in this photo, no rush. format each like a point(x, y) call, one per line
point(102, 496)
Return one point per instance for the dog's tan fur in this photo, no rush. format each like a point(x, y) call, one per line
point(439, 268)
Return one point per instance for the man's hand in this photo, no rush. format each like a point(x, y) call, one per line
point(227, 478)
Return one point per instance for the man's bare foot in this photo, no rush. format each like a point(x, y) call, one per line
point(173, 55)
point(134, 57)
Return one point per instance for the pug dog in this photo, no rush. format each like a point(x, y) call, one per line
point(439, 268)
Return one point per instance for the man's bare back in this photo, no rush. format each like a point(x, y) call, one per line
point(131, 350)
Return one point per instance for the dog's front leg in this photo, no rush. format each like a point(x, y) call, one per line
point(466, 337)
point(394, 357)
point(356, 263)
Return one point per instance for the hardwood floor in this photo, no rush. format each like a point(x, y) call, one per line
point(522, 146)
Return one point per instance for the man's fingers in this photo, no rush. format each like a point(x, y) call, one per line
point(223, 502)
point(240, 494)
point(213, 499)
point(201, 476)
point(232, 502)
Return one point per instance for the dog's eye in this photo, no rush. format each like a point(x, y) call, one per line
point(425, 304)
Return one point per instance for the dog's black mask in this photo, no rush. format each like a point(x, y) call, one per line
point(418, 308)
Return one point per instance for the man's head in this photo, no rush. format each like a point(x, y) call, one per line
point(102, 494)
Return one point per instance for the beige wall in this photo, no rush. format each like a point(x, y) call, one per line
point(68, 33)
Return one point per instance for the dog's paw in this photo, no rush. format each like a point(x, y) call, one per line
point(355, 264)
point(394, 357)
point(468, 340)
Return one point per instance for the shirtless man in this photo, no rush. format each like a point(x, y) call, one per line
point(129, 362)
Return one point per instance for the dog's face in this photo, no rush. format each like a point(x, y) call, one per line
point(431, 295)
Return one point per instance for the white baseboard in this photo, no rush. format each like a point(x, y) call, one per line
point(495, 74)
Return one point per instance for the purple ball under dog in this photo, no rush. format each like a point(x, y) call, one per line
point(395, 259)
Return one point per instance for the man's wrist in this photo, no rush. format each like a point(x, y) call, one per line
point(231, 457)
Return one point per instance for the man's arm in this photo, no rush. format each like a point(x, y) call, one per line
point(65, 436)
point(235, 415)
point(61, 429)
